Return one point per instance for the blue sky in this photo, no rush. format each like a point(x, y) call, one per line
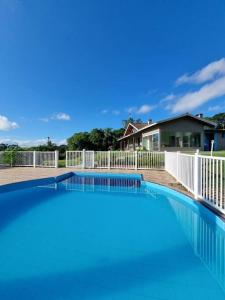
point(68, 66)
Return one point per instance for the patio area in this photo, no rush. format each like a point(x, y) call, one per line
point(17, 174)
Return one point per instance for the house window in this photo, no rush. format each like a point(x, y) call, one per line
point(195, 140)
point(186, 141)
point(151, 142)
point(155, 142)
point(181, 139)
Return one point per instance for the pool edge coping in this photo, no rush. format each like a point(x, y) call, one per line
point(197, 205)
point(13, 186)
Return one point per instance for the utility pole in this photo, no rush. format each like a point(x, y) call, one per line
point(48, 140)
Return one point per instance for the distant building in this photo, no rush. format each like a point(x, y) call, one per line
point(182, 133)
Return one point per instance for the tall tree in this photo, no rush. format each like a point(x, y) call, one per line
point(108, 138)
point(79, 141)
point(219, 119)
point(130, 120)
point(96, 138)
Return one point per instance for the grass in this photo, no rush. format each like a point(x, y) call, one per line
point(220, 153)
point(62, 163)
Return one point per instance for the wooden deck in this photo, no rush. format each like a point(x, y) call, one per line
point(17, 174)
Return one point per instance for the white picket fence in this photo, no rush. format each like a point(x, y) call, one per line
point(115, 159)
point(208, 244)
point(29, 159)
point(203, 176)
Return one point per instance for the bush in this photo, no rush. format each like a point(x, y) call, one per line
point(9, 157)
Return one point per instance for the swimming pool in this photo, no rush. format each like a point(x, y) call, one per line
point(94, 236)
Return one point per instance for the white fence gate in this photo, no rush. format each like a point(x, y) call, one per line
point(115, 159)
point(204, 176)
point(29, 159)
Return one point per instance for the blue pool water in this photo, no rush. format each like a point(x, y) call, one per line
point(102, 237)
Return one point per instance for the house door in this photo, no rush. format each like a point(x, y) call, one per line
point(209, 136)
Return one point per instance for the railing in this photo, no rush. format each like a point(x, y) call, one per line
point(29, 159)
point(203, 176)
point(212, 185)
point(48, 159)
point(115, 159)
point(208, 244)
point(23, 158)
point(74, 159)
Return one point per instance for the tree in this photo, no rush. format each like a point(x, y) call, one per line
point(117, 133)
point(130, 120)
point(219, 119)
point(62, 151)
point(108, 138)
point(79, 141)
point(3, 147)
point(96, 138)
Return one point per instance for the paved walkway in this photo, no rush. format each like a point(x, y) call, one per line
point(9, 175)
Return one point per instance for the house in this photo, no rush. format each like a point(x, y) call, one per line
point(184, 132)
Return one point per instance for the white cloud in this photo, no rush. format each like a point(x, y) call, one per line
point(215, 108)
point(104, 111)
point(61, 142)
point(58, 116)
point(6, 125)
point(44, 119)
point(143, 109)
point(113, 112)
point(116, 112)
point(169, 97)
point(192, 100)
point(131, 109)
point(150, 92)
point(30, 143)
point(62, 117)
point(23, 143)
point(209, 72)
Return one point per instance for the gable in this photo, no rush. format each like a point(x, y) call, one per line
point(130, 129)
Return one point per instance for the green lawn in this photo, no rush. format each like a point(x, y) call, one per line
point(62, 163)
point(220, 153)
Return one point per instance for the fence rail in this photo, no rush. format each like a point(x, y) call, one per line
point(29, 159)
point(203, 176)
point(115, 159)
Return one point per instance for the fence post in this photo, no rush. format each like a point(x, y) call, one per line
point(83, 158)
point(66, 159)
point(109, 158)
point(177, 167)
point(34, 159)
point(136, 159)
point(56, 158)
point(11, 159)
point(93, 160)
point(165, 161)
point(196, 174)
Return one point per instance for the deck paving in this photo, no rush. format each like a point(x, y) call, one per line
point(17, 174)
